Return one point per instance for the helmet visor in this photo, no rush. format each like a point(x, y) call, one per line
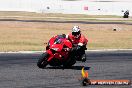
point(75, 33)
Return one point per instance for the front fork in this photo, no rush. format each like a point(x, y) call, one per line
point(51, 55)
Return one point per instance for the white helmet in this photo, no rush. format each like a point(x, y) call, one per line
point(76, 31)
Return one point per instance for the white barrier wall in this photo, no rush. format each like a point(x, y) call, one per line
point(68, 7)
point(21, 5)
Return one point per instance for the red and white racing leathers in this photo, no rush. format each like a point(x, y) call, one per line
point(77, 41)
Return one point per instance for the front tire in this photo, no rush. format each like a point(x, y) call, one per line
point(69, 63)
point(42, 62)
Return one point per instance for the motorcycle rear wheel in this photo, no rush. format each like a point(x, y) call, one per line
point(42, 62)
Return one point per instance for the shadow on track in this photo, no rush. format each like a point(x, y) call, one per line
point(73, 67)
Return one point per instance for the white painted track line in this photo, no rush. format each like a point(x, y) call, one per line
point(99, 50)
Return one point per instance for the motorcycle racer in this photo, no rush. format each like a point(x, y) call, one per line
point(79, 43)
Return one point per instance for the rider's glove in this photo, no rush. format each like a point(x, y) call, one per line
point(66, 49)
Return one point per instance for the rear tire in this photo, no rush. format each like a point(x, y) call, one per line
point(42, 62)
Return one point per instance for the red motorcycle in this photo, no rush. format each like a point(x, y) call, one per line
point(57, 53)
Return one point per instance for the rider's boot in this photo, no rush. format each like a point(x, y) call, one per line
point(83, 57)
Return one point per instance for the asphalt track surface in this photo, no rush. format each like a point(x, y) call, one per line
point(19, 70)
point(52, 21)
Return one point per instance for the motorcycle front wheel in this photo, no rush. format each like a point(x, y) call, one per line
point(42, 62)
point(69, 63)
